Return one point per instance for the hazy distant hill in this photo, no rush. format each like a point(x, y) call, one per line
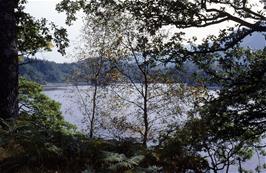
point(43, 71)
point(255, 41)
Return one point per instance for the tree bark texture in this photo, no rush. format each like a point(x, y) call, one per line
point(8, 60)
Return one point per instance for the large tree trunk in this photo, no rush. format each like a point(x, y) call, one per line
point(8, 60)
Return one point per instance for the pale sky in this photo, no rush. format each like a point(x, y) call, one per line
point(46, 8)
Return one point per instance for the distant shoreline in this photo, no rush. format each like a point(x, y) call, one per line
point(63, 86)
point(60, 86)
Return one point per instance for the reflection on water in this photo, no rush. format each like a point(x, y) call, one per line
point(69, 108)
point(67, 95)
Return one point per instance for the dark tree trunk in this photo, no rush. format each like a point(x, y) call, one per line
point(94, 97)
point(145, 110)
point(146, 124)
point(8, 60)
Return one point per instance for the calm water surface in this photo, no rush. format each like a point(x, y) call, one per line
point(69, 98)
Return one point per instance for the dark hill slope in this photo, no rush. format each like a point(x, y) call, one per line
point(43, 71)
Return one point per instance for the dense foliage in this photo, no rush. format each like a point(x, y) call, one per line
point(240, 108)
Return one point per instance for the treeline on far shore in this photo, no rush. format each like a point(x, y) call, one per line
point(47, 72)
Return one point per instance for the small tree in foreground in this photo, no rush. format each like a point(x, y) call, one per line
point(147, 101)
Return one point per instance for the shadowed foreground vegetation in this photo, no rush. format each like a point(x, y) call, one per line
point(40, 140)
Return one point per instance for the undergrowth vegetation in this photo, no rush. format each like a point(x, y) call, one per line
point(40, 140)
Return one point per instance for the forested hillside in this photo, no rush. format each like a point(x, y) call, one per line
point(42, 71)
